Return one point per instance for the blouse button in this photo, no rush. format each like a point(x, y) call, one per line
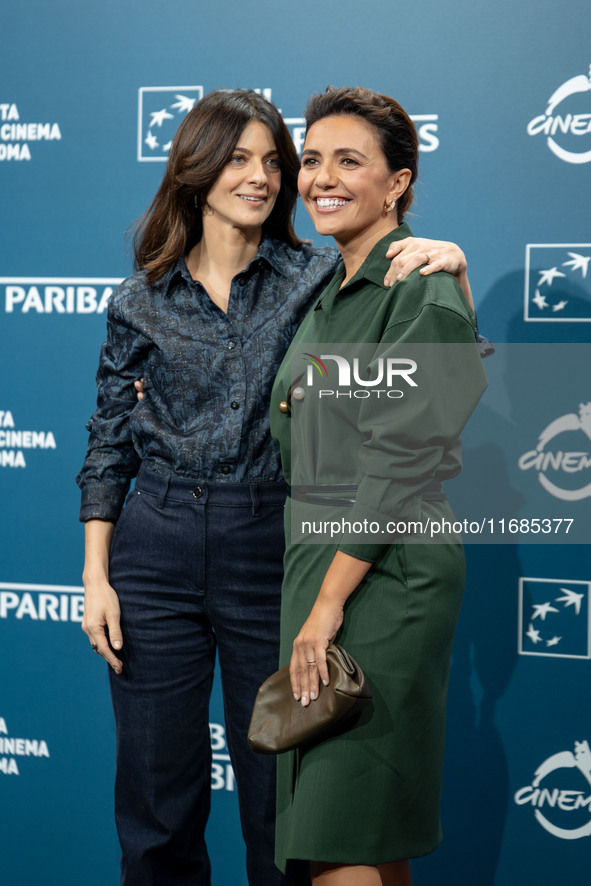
point(283, 407)
point(226, 469)
point(235, 404)
point(231, 344)
point(198, 492)
point(298, 393)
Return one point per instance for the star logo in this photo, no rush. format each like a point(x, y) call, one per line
point(542, 610)
point(158, 117)
point(571, 598)
point(548, 276)
point(161, 110)
point(554, 618)
point(557, 282)
point(540, 300)
point(578, 263)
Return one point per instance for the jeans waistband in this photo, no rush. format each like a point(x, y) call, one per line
point(195, 491)
point(344, 495)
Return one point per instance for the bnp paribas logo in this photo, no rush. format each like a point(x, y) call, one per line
point(554, 618)
point(161, 110)
point(557, 283)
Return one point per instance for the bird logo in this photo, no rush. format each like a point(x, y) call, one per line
point(161, 110)
point(554, 618)
point(558, 282)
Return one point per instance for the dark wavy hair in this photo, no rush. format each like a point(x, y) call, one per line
point(395, 130)
point(201, 148)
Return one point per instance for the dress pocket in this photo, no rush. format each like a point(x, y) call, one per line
point(401, 559)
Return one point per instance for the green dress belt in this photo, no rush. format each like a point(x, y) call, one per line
point(321, 495)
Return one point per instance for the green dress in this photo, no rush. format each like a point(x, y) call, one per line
point(371, 794)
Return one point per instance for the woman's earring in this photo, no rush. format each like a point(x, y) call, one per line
point(390, 204)
point(197, 201)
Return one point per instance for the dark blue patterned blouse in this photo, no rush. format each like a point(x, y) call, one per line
point(207, 375)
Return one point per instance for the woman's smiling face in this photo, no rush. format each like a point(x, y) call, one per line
point(245, 192)
point(345, 181)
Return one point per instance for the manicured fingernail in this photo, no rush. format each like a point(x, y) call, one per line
point(117, 644)
point(387, 282)
point(296, 696)
point(399, 277)
point(312, 695)
point(304, 701)
point(325, 682)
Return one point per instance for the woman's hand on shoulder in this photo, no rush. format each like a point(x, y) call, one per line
point(430, 256)
point(139, 386)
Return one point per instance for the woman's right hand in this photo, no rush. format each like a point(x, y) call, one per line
point(101, 611)
point(102, 616)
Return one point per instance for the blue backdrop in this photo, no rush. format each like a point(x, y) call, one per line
point(90, 95)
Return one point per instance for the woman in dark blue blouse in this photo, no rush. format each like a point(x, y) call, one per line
point(193, 562)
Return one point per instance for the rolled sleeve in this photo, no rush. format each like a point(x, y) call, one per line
point(411, 442)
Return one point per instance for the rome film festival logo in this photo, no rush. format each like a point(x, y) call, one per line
point(17, 135)
point(12, 750)
point(561, 807)
point(557, 283)
point(570, 468)
point(161, 109)
point(554, 618)
point(15, 443)
point(565, 122)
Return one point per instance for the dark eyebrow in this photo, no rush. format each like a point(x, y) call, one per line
point(246, 151)
point(338, 151)
point(350, 151)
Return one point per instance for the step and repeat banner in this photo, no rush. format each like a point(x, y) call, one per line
point(90, 97)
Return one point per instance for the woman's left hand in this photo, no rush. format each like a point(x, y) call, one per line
point(308, 660)
point(433, 256)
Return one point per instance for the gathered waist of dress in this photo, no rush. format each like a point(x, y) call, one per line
point(344, 495)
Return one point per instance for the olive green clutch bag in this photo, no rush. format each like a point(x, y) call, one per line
point(280, 723)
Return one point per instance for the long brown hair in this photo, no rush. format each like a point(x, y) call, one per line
point(201, 148)
point(395, 130)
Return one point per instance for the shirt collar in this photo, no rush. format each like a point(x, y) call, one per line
point(376, 264)
point(272, 251)
point(275, 253)
point(373, 268)
point(178, 269)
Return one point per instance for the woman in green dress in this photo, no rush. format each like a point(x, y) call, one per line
point(360, 804)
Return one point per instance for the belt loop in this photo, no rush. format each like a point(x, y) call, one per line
point(256, 502)
point(161, 497)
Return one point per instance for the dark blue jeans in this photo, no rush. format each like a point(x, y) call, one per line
point(197, 567)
